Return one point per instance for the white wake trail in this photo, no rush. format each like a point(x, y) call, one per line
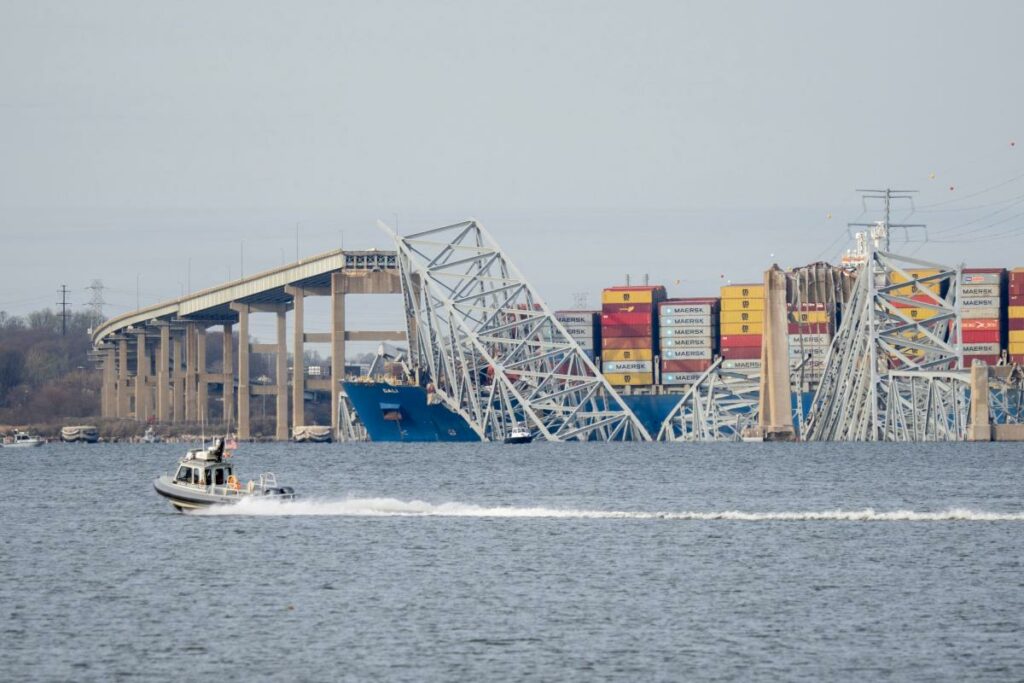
point(392, 507)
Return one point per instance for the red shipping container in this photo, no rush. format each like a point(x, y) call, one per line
point(980, 336)
point(685, 365)
point(741, 353)
point(988, 360)
point(627, 331)
point(741, 340)
point(922, 298)
point(1015, 324)
point(1017, 359)
point(631, 319)
point(980, 324)
point(1016, 288)
point(617, 343)
point(1017, 299)
point(627, 308)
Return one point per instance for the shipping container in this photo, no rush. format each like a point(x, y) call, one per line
point(734, 340)
point(671, 308)
point(810, 339)
point(1016, 336)
point(742, 305)
point(751, 316)
point(627, 366)
point(579, 332)
point(631, 319)
point(980, 324)
point(981, 349)
point(809, 328)
point(627, 331)
point(628, 308)
point(741, 364)
point(980, 291)
point(630, 379)
point(689, 331)
point(626, 354)
point(743, 291)
point(681, 378)
point(686, 354)
point(1015, 311)
point(978, 336)
point(745, 352)
point(810, 317)
point(741, 328)
point(635, 295)
point(577, 318)
point(687, 342)
point(974, 313)
point(979, 302)
point(987, 360)
point(982, 276)
point(687, 320)
point(684, 365)
point(616, 343)
point(1015, 324)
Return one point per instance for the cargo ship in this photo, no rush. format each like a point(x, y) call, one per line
point(400, 412)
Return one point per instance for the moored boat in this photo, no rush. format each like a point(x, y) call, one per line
point(519, 434)
point(23, 440)
point(205, 477)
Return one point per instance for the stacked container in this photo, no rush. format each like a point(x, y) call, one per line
point(584, 327)
point(629, 334)
point(915, 311)
point(688, 338)
point(980, 312)
point(810, 334)
point(1015, 316)
point(742, 326)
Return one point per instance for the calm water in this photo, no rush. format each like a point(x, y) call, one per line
point(549, 562)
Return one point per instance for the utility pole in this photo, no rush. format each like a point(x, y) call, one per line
point(96, 302)
point(63, 303)
point(879, 231)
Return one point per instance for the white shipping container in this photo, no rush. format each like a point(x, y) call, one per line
point(980, 278)
point(979, 313)
point(822, 339)
point(686, 354)
point(687, 342)
point(981, 349)
point(580, 332)
point(980, 302)
point(971, 291)
point(686, 309)
point(627, 366)
point(690, 331)
point(577, 318)
point(812, 351)
point(677, 320)
point(677, 378)
point(741, 364)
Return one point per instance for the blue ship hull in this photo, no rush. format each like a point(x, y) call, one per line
point(401, 413)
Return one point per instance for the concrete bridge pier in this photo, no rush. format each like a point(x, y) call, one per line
point(177, 380)
point(228, 370)
point(202, 390)
point(123, 397)
point(142, 409)
point(298, 355)
point(163, 382)
point(243, 368)
point(338, 287)
point(775, 416)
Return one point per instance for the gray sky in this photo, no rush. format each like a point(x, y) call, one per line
point(686, 140)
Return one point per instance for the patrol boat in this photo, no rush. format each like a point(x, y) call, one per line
point(204, 477)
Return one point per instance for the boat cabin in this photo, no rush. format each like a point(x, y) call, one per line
point(205, 466)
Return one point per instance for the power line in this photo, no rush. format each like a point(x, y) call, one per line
point(63, 303)
point(96, 301)
point(973, 194)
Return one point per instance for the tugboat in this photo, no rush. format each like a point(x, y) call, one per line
point(204, 478)
point(23, 440)
point(519, 434)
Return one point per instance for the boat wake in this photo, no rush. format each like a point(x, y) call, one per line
point(392, 507)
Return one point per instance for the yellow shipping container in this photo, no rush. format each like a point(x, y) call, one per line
point(743, 292)
point(1016, 348)
point(630, 379)
point(627, 354)
point(918, 313)
point(810, 317)
point(748, 304)
point(916, 273)
point(1016, 311)
point(912, 290)
point(742, 328)
point(751, 316)
point(1016, 336)
point(633, 296)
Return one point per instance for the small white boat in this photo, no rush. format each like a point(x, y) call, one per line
point(519, 434)
point(204, 477)
point(24, 440)
point(150, 436)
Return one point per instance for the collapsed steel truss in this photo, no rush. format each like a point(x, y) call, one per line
point(889, 376)
point(717, 407)
point(492, 350)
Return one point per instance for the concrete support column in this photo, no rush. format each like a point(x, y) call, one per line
point(228, 394)
point(109, 395)
point(178, 377)
point(338, 283)
point(980, 426)
point(281, 421)
point(298, 357)
point(122, 378)
point(243, 369)
point(202, 390)
point(190, 373)
point(141, 378)
point(776, 413)
point(163, 384)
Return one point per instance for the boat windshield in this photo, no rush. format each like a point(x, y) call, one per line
point(184, 474)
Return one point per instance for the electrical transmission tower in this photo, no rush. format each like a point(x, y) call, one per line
point(63, 303)
point(96, 301)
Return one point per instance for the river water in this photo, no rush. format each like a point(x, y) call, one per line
point(444, 562)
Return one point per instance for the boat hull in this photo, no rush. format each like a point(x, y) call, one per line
point(190, 498)
point(23, 444)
